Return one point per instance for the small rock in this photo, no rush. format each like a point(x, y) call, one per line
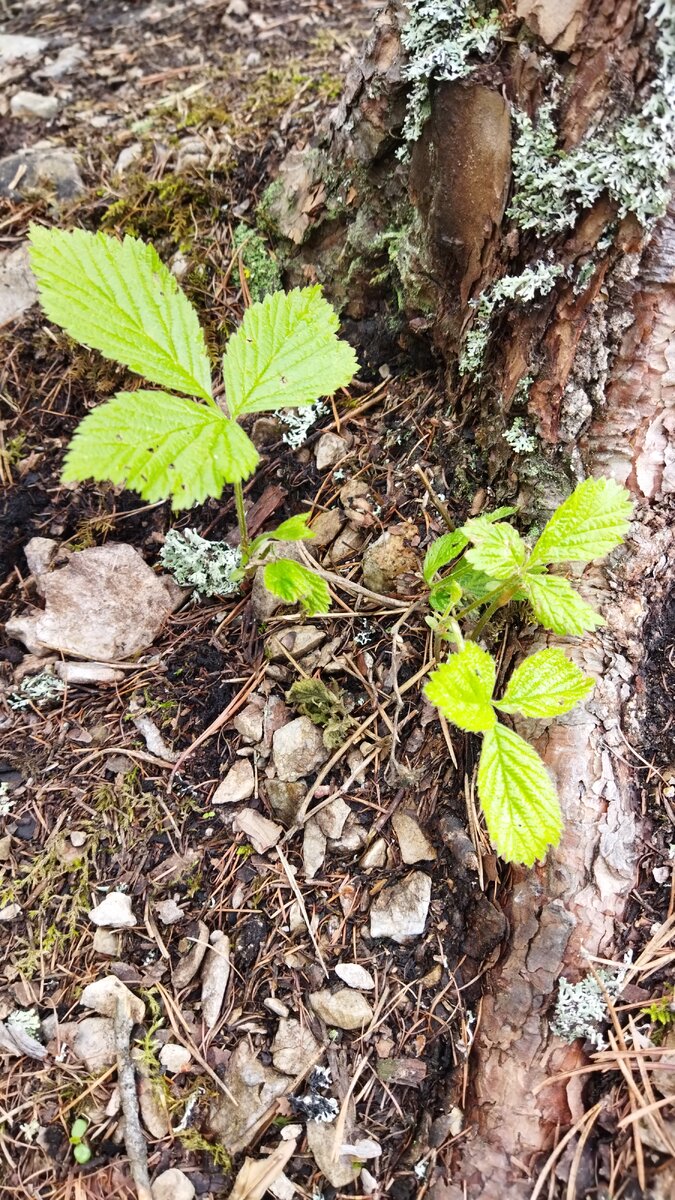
point(169, 912)
point(127, 156)
point(66, 61)
point(261, 833)
point(238, 784)
point(291, 1131)
point(54, 167)
point(293, 1046)
point(353, 837)
point(83, 673)
point(356, 499)
point(330, 448)
point(152, 1103)
point(347, 544)
point(105, 604)
point(33, 106)
point(414, 844)
point(252, 1087)
point(400, 912)
point(325, 527)
point(249, 722)
point(92, 1041)
point(9, 912)
point(299, 641)
point(375, 855)
point(285, 799)
point(368, 1182)
point(390, 564)
point(6, 849)
point(15, 47)
point(345, 1009)
point(104, 995)
point(321, 1141)
point(331, 819)
point(355, 976)
point(106, 943)
point(18, 289)
point(174, 1058)
point(237, 8)
point(114, 912)
point(298, 749)
point(172, 1185)
point(78, 837)
point(187, 967)
point(313, 848)
point(215, 974)
point(276, 1006)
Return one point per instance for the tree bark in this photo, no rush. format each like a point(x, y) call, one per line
point(601, 403)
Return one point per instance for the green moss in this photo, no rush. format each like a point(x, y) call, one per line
point(261, 268)
point(192, 1139)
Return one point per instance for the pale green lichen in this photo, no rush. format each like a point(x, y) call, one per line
point(37, 690)
point(581, 1008)
point(518, 438)
point(441, 38)
point(299, 421)
point(209, 567)
point(533, 282)
point(261, 269)
point(630, 158)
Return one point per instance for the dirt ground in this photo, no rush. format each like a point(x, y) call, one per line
point(176, 115)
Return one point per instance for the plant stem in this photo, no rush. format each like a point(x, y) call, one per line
point(436, 500)
point(241, 518)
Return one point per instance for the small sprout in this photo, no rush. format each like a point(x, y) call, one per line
point(81, 1151)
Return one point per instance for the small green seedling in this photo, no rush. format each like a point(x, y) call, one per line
point(78, 1129)
point(491, 566)
point(119, 298)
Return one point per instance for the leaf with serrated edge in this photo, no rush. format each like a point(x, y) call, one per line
point(286, 353)
point(546, 684)
point(462, 688)
point(590, 523)
point(475, 584)
point(292, 582)
point(162, 447)
point(120, 299)
point(293, 530)
point(441, 552)
point(559, 607)
point(518, 797)
point(444, 595)
point(498, 550)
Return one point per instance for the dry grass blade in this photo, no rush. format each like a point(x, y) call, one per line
point(257, 1175)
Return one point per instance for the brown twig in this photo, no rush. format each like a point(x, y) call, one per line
point(134, 1139)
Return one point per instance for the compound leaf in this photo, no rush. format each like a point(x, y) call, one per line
point(518, 798)
point(292, 582)
point(286, 353)
point(120, 299)
point(441, 552)
point(498, 550)
point(462, 688)
point(161, 446)
point(558, 606)
point(546, 684)
point(590, 523)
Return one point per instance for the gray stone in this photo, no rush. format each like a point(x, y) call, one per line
point(174, 1058)
point(260, 831)
point(299, 641)
point(285, 798)
point(238, 784)
point(252, 1087)
point(106, 943)
point(344, 1009)
point(33, 106)
point(249, 722)
point(325, 527)
point(331, 819)
point(390, 563)
point(66, 61)
point(293, 1046)
point(169, 912)
point(321, 1141)
point(298, 749)
point(87, 672)
point(400, 912)
point(355, 976)
point(313, 848)
point(114, 912)
point(15, 47)
point(92, 1040)
point(189, 964)
point(172, 1185)
point(104, 995)
point(330, 448)
point(413, 842)
point(215, 976)
point(18, 289)
point(43, 166)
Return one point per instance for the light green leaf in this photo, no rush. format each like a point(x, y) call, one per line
point(462, 688)
point(518, 797)
point(79, 1127)
point(120, 299)
point(444, 595)
point(81, 1153)
point(498, 550)
point(498, 514)
point(286, 353)
point(590, 523)
point(546, 684)
point(441, 552)
point(558, 606)
point(474, 584)
point(293, 530)
point(292, 582)
point(161, 446)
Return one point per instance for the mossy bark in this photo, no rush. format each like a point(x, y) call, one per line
point(420, 241)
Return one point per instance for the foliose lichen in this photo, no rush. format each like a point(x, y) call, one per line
point(581, 1008)
point(534, 281)
point(518, 438)
point(441, 38)
point(630, 158)
point(39, 690)
point(195, 562)
point(299, 421)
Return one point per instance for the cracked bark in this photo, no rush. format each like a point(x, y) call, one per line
point(602, 403)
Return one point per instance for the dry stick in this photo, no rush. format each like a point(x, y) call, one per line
point(346, 584)
point(224, 717)
point(301, 903)
point(134, 1140)
point(435, 499)
point(394, 770)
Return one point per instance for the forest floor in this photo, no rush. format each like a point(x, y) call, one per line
point(172, 119)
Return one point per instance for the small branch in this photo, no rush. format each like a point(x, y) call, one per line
point(241, 517)
point(435, 499)
point(134, 1138)
point(347, 585)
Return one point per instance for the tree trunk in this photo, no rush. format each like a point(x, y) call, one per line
point(433, 234)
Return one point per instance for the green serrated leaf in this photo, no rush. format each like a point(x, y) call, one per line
point(120, 299)
point(558, 606)
point(474, 584)
point(445, 595)
point(294, 583)
point(286, 353)
point(160, 446)
point(441, 552)
point(518, 797)
point(498, 550)
point(590, 523)
point(295, 529)
point(546, 684)
point(498, 514)
point(462, 688)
